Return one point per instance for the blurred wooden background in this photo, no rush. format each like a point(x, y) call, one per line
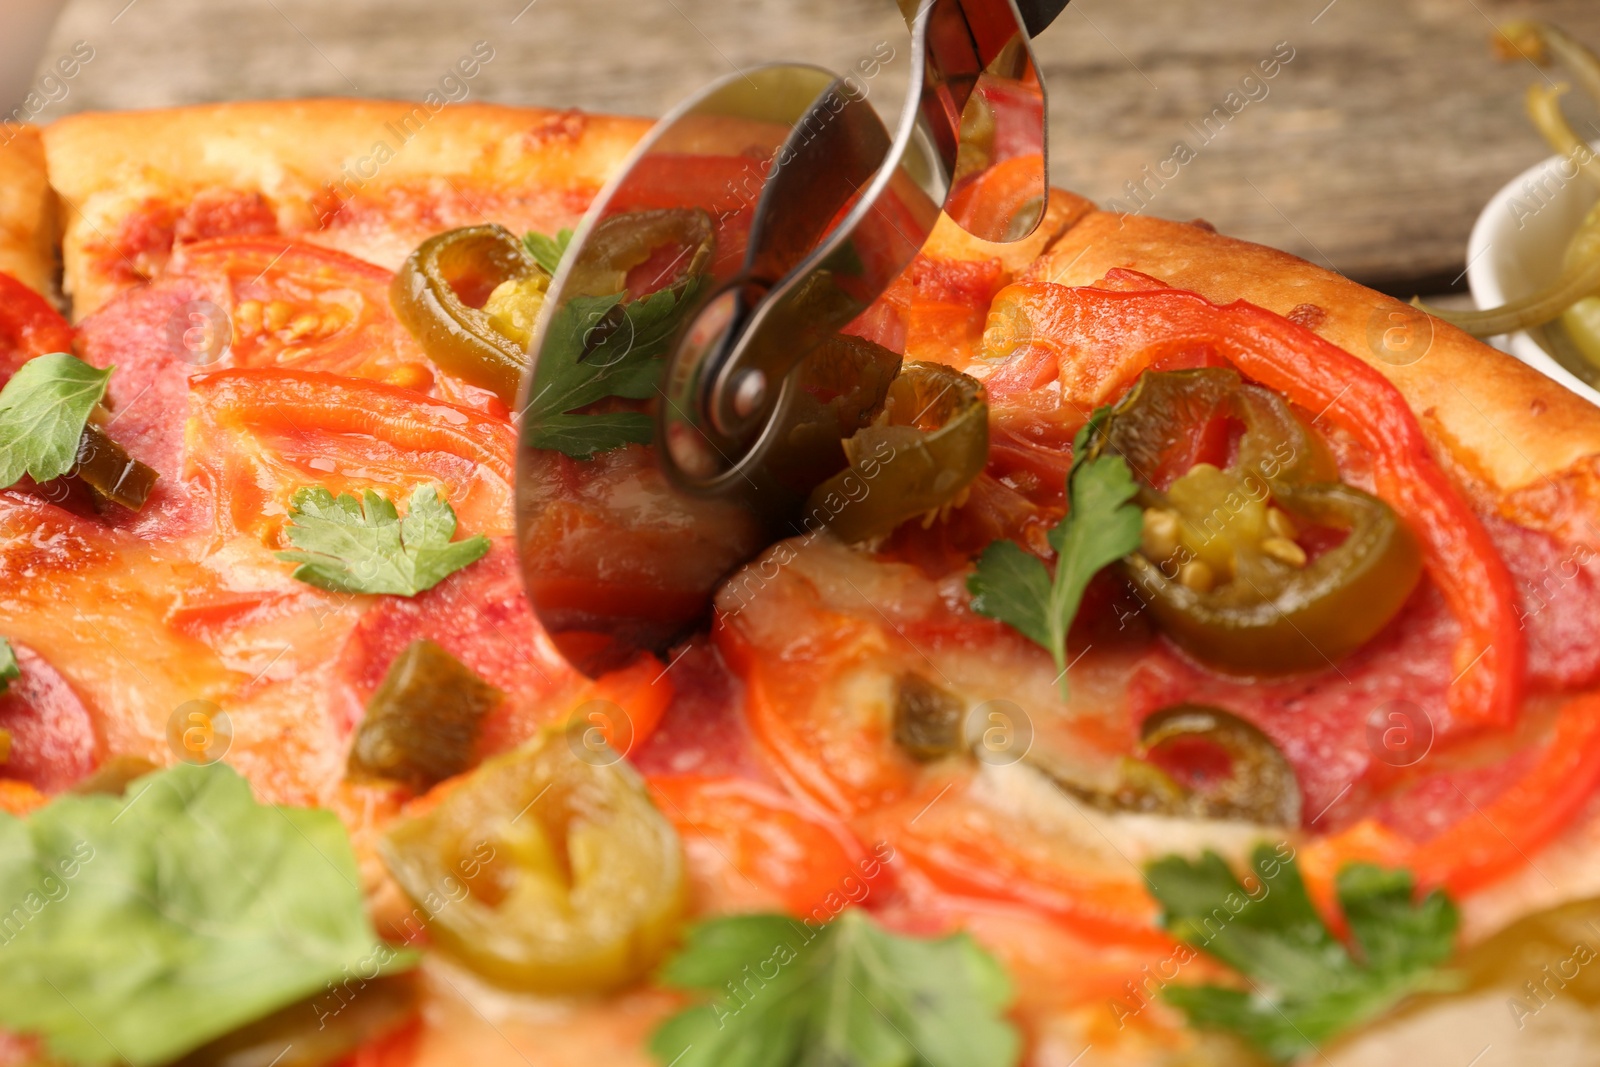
point(1371, 150)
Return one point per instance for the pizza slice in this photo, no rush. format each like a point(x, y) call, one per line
point(1249, 655)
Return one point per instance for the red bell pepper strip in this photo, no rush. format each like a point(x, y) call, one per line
point(625, 705)
point(1499, 837)
point(301, 401)
point(1490, 657)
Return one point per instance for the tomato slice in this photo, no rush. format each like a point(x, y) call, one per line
point(816, 710)
point(256, 436)
point(298, 306)
point(833, 647)
point(29, 326)
point(752, 847)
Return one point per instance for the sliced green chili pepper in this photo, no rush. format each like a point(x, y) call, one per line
point(471, 297)
point(109, 472)
point(1579, 279)
point(421, 724)
point(921, 452)
point(440, 295)
point(547, 869)
point(927, 719)
point(1544, 108)
point(679, 239)
point(1581, 324)
point(1252, 781)
point(1154, 427)
point(1220, 566)
point(837, 389)
point(1274, 616)
point(1259, 786)
point(1535, 40)
point(1580, 276)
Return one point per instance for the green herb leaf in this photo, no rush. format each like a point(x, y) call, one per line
point(347, 544)
point(43, 410)
point(848, 994)
point(9, 670)
point(1305, 986)
point(141, 926)
point(600, 347)
point(1100, 528)
point(547, 251)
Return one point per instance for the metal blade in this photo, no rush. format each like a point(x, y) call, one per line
point(670, 427)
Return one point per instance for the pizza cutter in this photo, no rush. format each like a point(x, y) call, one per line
point(691, 382)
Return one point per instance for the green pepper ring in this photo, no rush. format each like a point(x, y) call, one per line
point(457, 337)
point(1318, 614)
point(932, 443)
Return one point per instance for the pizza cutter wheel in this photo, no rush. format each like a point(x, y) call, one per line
point(666, 434)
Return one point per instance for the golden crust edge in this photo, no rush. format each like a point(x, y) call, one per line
point(103, 163)
point(206, 141)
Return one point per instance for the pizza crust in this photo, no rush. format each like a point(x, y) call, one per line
point(302, 156)
point(1504, 422)
point(27, 209)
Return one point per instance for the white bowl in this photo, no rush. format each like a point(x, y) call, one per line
point(24, 27)
point(1517, 246)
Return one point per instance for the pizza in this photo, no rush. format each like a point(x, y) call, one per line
point(1239, 704)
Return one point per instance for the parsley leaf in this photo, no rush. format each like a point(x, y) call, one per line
point(43, 410)
point(1306, 987)
point(1100, 528)
point(360, 545)
point(600, 347)
point(547, 251)
point(9, 670)
point(139, 927)
point(848, 994)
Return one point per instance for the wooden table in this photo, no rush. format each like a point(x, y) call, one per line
point(1385, 128)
